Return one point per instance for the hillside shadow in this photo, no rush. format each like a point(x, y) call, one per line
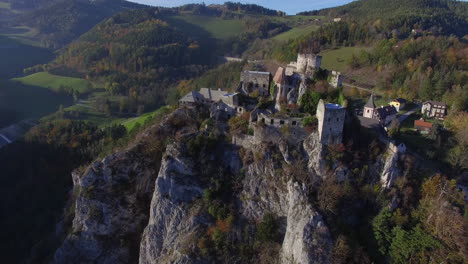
point(19, 101)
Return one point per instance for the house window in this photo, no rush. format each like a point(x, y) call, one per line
point(281, 122)
point(294, 123)
point(263, 120)
point(368, 110)
point(272, 121)
point(264, 86)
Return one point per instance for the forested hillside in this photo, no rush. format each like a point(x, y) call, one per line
point(60, 22)
point(438, 16)
point(141, 54)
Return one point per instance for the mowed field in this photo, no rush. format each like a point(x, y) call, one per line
point(217, 27)
point(55, 82)
point(295, 33)
point(339, 59)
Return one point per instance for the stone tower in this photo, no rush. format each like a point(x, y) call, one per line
point(331, 119)
point(307, 63)
point(336, 79)
point(369, 108)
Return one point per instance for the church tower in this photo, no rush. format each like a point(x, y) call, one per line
point(369, 108)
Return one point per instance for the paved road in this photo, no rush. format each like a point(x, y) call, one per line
point(404, 116)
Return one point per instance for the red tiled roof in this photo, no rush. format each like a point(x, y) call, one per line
point(422, 123)
point(280, 76)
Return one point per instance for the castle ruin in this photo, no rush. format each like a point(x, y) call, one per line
point(336, 79)
point(305, 64)
point(331, 119)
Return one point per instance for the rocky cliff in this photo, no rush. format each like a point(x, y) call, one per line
point(115, 222)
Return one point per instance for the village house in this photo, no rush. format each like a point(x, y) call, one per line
point(398, 103)
point(386, 114)
point(422, 126)
point(255, 81)
point(434, 109)
point(218, 100)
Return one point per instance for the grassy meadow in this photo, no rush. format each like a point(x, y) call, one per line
point(338, 59)
point(295, 32)
point(55, 82)
point(217, 27)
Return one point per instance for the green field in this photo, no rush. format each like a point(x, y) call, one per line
point(295, 33)
point(55, 82)
point(132, 122)
point(215, 26)
point(29, 102)
point(338, 59)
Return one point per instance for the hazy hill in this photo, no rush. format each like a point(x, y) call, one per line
point(62, 21)
point(444, 16)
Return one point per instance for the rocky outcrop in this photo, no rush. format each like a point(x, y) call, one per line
point(390, 169)
point(307, 238)
point(172, 218)
point(110, 210)
point(316, 153)
point(113, 197)
point(269, 190)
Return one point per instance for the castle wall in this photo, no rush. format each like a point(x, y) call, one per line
point(256, 81)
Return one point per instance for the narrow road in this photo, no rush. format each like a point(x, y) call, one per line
point(362, 88)
point(5, 138)
point(404, 116)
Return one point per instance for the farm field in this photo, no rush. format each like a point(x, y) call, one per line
point(55, 82)
point(28, 102)
point(15, 56)
point(295, 33)
point(132, 122)
point(216, 27)
point(338, 59)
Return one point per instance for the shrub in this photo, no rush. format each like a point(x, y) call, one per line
point(267, 229)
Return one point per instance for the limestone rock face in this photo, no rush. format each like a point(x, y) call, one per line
point(110, 210)
point(390, 170)
point(172, 220)
point(113, 198)
point(307, 238)
point(302, 90)
point(264, 190)
point(316, 153)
